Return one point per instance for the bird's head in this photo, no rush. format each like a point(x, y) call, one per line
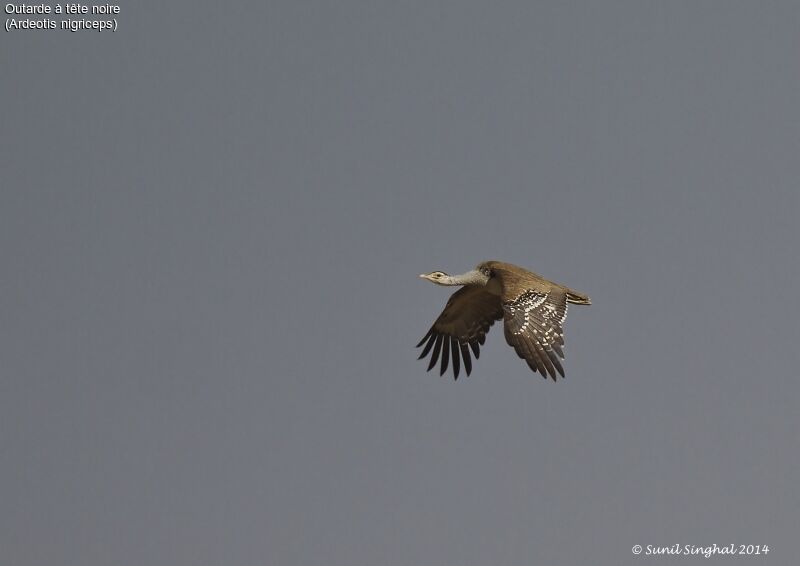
point(438, 277)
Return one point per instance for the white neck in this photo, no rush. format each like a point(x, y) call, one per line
point(473, 277)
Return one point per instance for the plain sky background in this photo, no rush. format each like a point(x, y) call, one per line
point(211, 227)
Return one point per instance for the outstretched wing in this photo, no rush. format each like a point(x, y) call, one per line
point(533, 327)
point(465, 320)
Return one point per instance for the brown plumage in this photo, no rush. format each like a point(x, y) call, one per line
point(533, 310)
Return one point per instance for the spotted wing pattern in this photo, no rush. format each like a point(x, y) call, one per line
point(533, 327)
point(463, 324)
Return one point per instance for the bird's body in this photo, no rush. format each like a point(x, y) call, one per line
point(533, 310)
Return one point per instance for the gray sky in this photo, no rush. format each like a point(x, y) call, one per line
point(211, 226)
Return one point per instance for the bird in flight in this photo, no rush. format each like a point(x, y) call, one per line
point(533, 310)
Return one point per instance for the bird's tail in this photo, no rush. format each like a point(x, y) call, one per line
point(578, 298)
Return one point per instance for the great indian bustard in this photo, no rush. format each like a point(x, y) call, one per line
point(533, 310)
